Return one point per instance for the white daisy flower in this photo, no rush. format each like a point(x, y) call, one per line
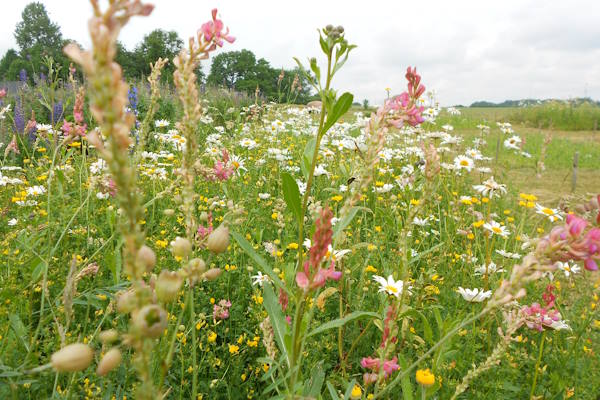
point(474, 295)
point(161, 123)
point(490, 188)
point(553, 214)
point(36, 190)
point(496, 229)
point(567, 269)
point(491, 269)
point(464, 162)
point(389, 285)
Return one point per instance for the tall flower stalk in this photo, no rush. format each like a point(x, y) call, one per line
point(108, 99)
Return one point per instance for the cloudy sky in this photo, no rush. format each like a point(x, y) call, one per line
point(465, 50)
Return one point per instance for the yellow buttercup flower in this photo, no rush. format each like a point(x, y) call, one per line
point(425, 377)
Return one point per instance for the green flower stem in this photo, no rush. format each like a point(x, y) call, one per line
point(537, 365)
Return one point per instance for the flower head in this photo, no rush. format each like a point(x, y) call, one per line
point(474, 295)
point(389, 286)
point(212, 31)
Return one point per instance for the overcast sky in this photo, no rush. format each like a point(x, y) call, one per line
point(465, 50)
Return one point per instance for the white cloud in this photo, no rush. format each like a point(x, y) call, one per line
point(466, 50)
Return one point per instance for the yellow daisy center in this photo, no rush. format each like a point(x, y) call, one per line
point(392, 289)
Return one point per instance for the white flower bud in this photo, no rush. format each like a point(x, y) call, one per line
point(218, 240)
point(145, 259)
point(110, 361)
point(181, 247)
point(167, 286)
point(72, 358)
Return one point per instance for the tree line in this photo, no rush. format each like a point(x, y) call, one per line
point(37, 38)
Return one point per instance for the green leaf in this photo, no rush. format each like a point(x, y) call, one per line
point(312, 386)
point(342, 224)
point(332, 392)
point(427, 331)
point(349, 389)
point(19, 328)
point(38, 271)
point(342, 105)
point(307, 156)
point(280, 326)
point(262, 263)
point(337, 323)
point(424, 253)
point(291, 194)
point(407, 389)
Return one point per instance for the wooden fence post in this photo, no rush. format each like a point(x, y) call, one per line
point(575, 165)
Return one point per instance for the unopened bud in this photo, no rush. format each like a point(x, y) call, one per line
point(110, 361)
point(169, 212)
point(204, 216)
point(218, 240)
point(126, 302)
point(72, 358)
point(329, 28)
point(340, 29)
point(197, 266)
point(212, 274)
point(108, 336)
point(181, 247)
point(150, 321)
point(168, 285)
point(145, 259)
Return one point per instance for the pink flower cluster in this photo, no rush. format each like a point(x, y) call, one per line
point(374, 364)
point(204, 231)
point(538, 317)
point(212, 31)
point(320, 245)
point(571, 242)
point(221, 310)
point(403, 108)
point(78, 128)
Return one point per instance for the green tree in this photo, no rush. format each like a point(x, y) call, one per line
point(36, 29)
point(156, 44)
point(8, 58)
point(234, 70)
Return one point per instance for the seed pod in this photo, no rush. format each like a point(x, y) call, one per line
point(212, 274)
point(150, 321)
point(218, 240)
point(181, 247)
point(145, 258)
point(167, 286)
point(108, 336)
point(72, 358)
point(110, 361)
point(169, 212)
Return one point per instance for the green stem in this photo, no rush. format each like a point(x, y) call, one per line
point(193, 322)
point(537, 365)
point(313, 165)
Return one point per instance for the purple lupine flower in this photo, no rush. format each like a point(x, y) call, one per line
point(23, 75)
point(57, 112)
point(19, 117)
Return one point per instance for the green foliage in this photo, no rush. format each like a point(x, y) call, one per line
point(36, 28)
point(240, 70)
